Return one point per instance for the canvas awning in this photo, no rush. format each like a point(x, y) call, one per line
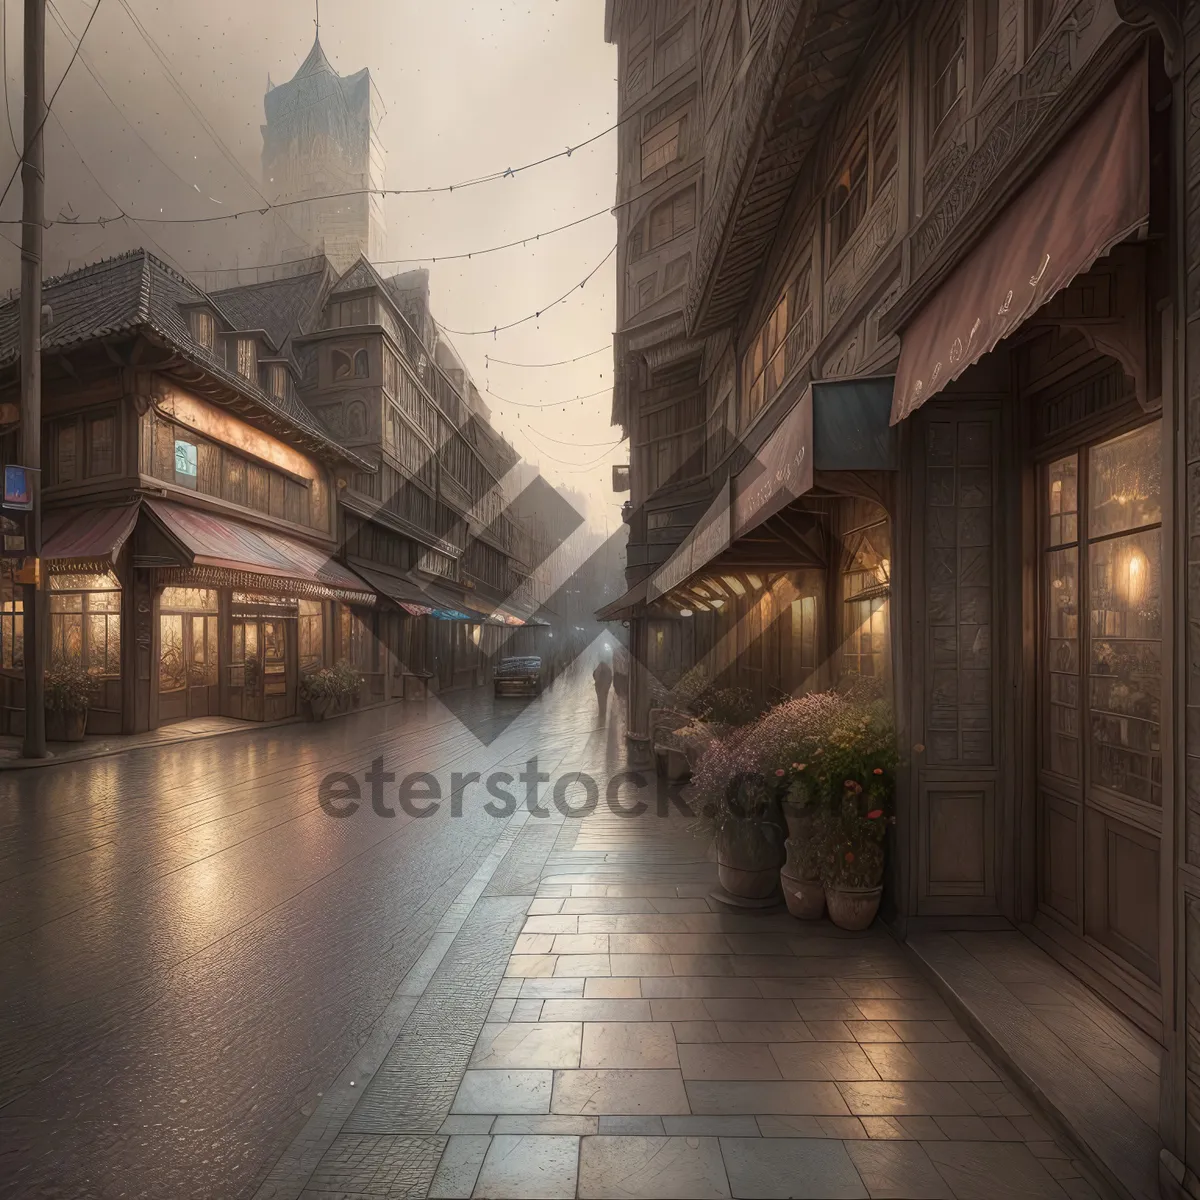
point(401, 590)
point(834, 426)
point(86, 539)
point(1092, 194)
point(708, 537)
point(222, 551)
point(627, 606)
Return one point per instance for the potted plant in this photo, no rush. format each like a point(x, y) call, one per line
point(749, 839)
point(853, 868)
point(69, 693)
point(802, 875)
point(316, 693)
point(347, 684)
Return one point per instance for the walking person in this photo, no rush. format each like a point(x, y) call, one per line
point(602, 676)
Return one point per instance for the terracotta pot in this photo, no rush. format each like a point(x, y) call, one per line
point(749, 855)
point(799, 819)
point(75, 725)
point(853, 908)
point(315, 708)
point(805, 897)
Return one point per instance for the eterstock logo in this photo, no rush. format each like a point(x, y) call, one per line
point(421, 794)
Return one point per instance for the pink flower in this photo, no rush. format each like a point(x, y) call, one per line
point(878, 770)
point(849, 855)
point(780, 771)
point(874, 814)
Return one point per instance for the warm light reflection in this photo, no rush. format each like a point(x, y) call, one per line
point(755, 582)
point(734, 584)
point(1135, 578)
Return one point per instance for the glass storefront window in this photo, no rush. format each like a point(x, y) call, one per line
point(85, 623)
point(1101, 696)
point(12, 622)
point(1125, 483)
point(176, 599)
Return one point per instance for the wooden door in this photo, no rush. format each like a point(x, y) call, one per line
point(200, 641)
point(245, 671)
point(1099, 712)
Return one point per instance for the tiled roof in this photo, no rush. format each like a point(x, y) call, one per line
point(137, 291)
point(282, 307)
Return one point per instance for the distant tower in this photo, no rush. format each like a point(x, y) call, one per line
point(322, 138)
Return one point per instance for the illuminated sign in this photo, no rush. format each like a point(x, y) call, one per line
point(18, 488)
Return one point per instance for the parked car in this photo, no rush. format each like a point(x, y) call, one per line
point(518, 676)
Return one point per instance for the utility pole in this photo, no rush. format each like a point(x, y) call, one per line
point(33, 188)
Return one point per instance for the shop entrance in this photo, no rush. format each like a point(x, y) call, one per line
point(263, 669)
point(1099, 779)
point(187, 654)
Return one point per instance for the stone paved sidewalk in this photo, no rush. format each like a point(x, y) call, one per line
point(597, 1026)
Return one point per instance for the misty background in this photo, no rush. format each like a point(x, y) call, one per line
point(160, 119)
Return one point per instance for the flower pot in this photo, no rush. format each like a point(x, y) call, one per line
point(75, 725)
point(315, 708)
point(853, 908)
point(799, 820)
point(749, 855)
point(805, 897)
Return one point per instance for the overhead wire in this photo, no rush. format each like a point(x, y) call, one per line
point(534, 316)
point(50, 105)
point(63, 25)
point(561, 362)
point(552, 404)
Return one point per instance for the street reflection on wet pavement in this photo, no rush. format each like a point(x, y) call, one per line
point(193, 949)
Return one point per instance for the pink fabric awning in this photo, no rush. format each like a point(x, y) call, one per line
point(233, 545)
point(87, 535)
point(1093, 193)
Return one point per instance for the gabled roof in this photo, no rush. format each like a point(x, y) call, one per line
point(284, 308)
point(137, 292)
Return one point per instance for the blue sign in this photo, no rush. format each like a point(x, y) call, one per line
point(18, 488)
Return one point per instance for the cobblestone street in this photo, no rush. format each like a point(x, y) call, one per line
point(215, 989)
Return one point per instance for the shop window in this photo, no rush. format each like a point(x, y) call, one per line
point(947, 75)
point(804, 639)
point(85, 623)
point(866, 589)
point(1102, 556)
point(311, 634)
point(12, 621)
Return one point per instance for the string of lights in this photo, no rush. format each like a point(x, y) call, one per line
point(274, 206)
point(553, 404)
point(561, 363)
point(534, 316)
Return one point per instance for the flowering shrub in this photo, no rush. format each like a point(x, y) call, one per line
point(853, 835)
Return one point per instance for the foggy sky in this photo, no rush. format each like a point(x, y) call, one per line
point(469, 88)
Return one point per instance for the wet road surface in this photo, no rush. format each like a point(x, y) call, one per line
point(191, 949)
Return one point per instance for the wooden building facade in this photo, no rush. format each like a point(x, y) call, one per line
point(235, 494)
point(987, 212)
